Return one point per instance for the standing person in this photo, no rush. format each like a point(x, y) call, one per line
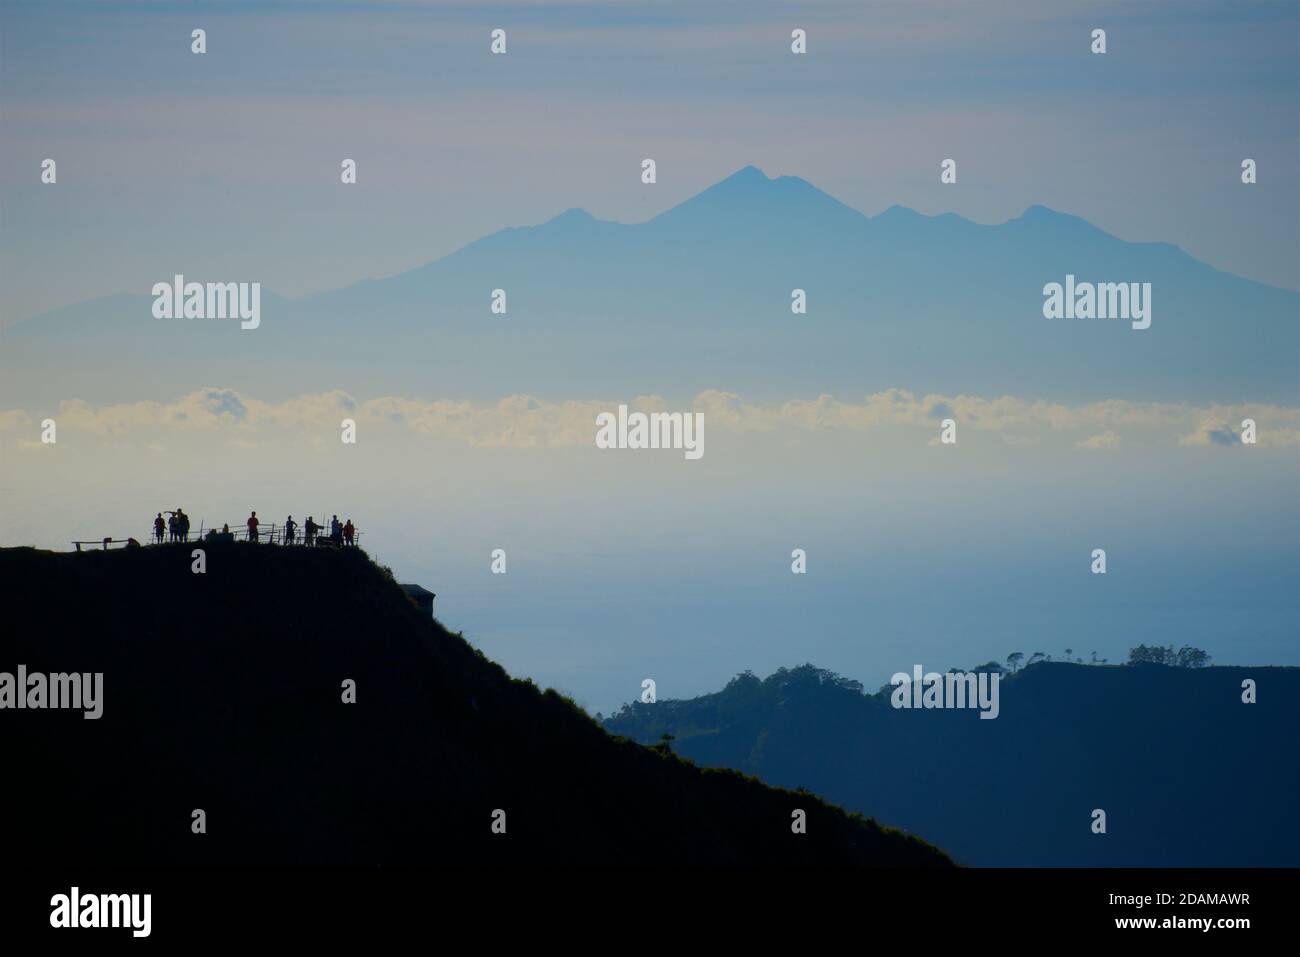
point(336, 530)
point(309, 532)
point(159, 526)
point(183, 524)
point(348, 530)
point(289, 529)
point(252, 527)
point(171, 526)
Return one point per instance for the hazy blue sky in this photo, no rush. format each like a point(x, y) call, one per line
point(230, 160)
point(622, 567)
point(627, 565)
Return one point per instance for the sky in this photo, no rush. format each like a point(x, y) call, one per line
point(623, 566)
point(232, 158)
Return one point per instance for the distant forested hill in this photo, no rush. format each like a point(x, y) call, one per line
point(1186, 772)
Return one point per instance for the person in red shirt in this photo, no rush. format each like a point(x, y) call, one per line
point(348, 530)
point(252, 527)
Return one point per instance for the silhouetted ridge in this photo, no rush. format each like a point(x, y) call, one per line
point(223, 691)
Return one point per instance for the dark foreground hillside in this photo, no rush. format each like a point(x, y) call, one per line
point(1186, 773)
point(223, 692)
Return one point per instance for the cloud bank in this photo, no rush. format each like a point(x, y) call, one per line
point(523, 421)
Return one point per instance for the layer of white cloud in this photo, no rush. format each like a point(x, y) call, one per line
point(1102, 440)
point(522, 421)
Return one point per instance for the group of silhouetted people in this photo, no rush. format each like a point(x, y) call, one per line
point(313, 533)
point(177, 528)
point(336, 532)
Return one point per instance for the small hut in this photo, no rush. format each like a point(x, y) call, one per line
point(421, 596)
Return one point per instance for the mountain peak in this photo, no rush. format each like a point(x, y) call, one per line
point(572, 216)
point(747, 184)
point(897, 213)
point(1045, 218)
point(1039, 211)
point(747, 174)
point(750, 194)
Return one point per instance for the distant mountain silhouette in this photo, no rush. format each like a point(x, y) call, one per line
point(223, 692)
point(699, 297)
point(1187, 774)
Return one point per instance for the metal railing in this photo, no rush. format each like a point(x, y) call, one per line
point(104, 543)
point(274, 535)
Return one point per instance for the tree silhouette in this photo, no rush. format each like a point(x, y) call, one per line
point(1184, 657)
point(1189, 657)
point(665, 745)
